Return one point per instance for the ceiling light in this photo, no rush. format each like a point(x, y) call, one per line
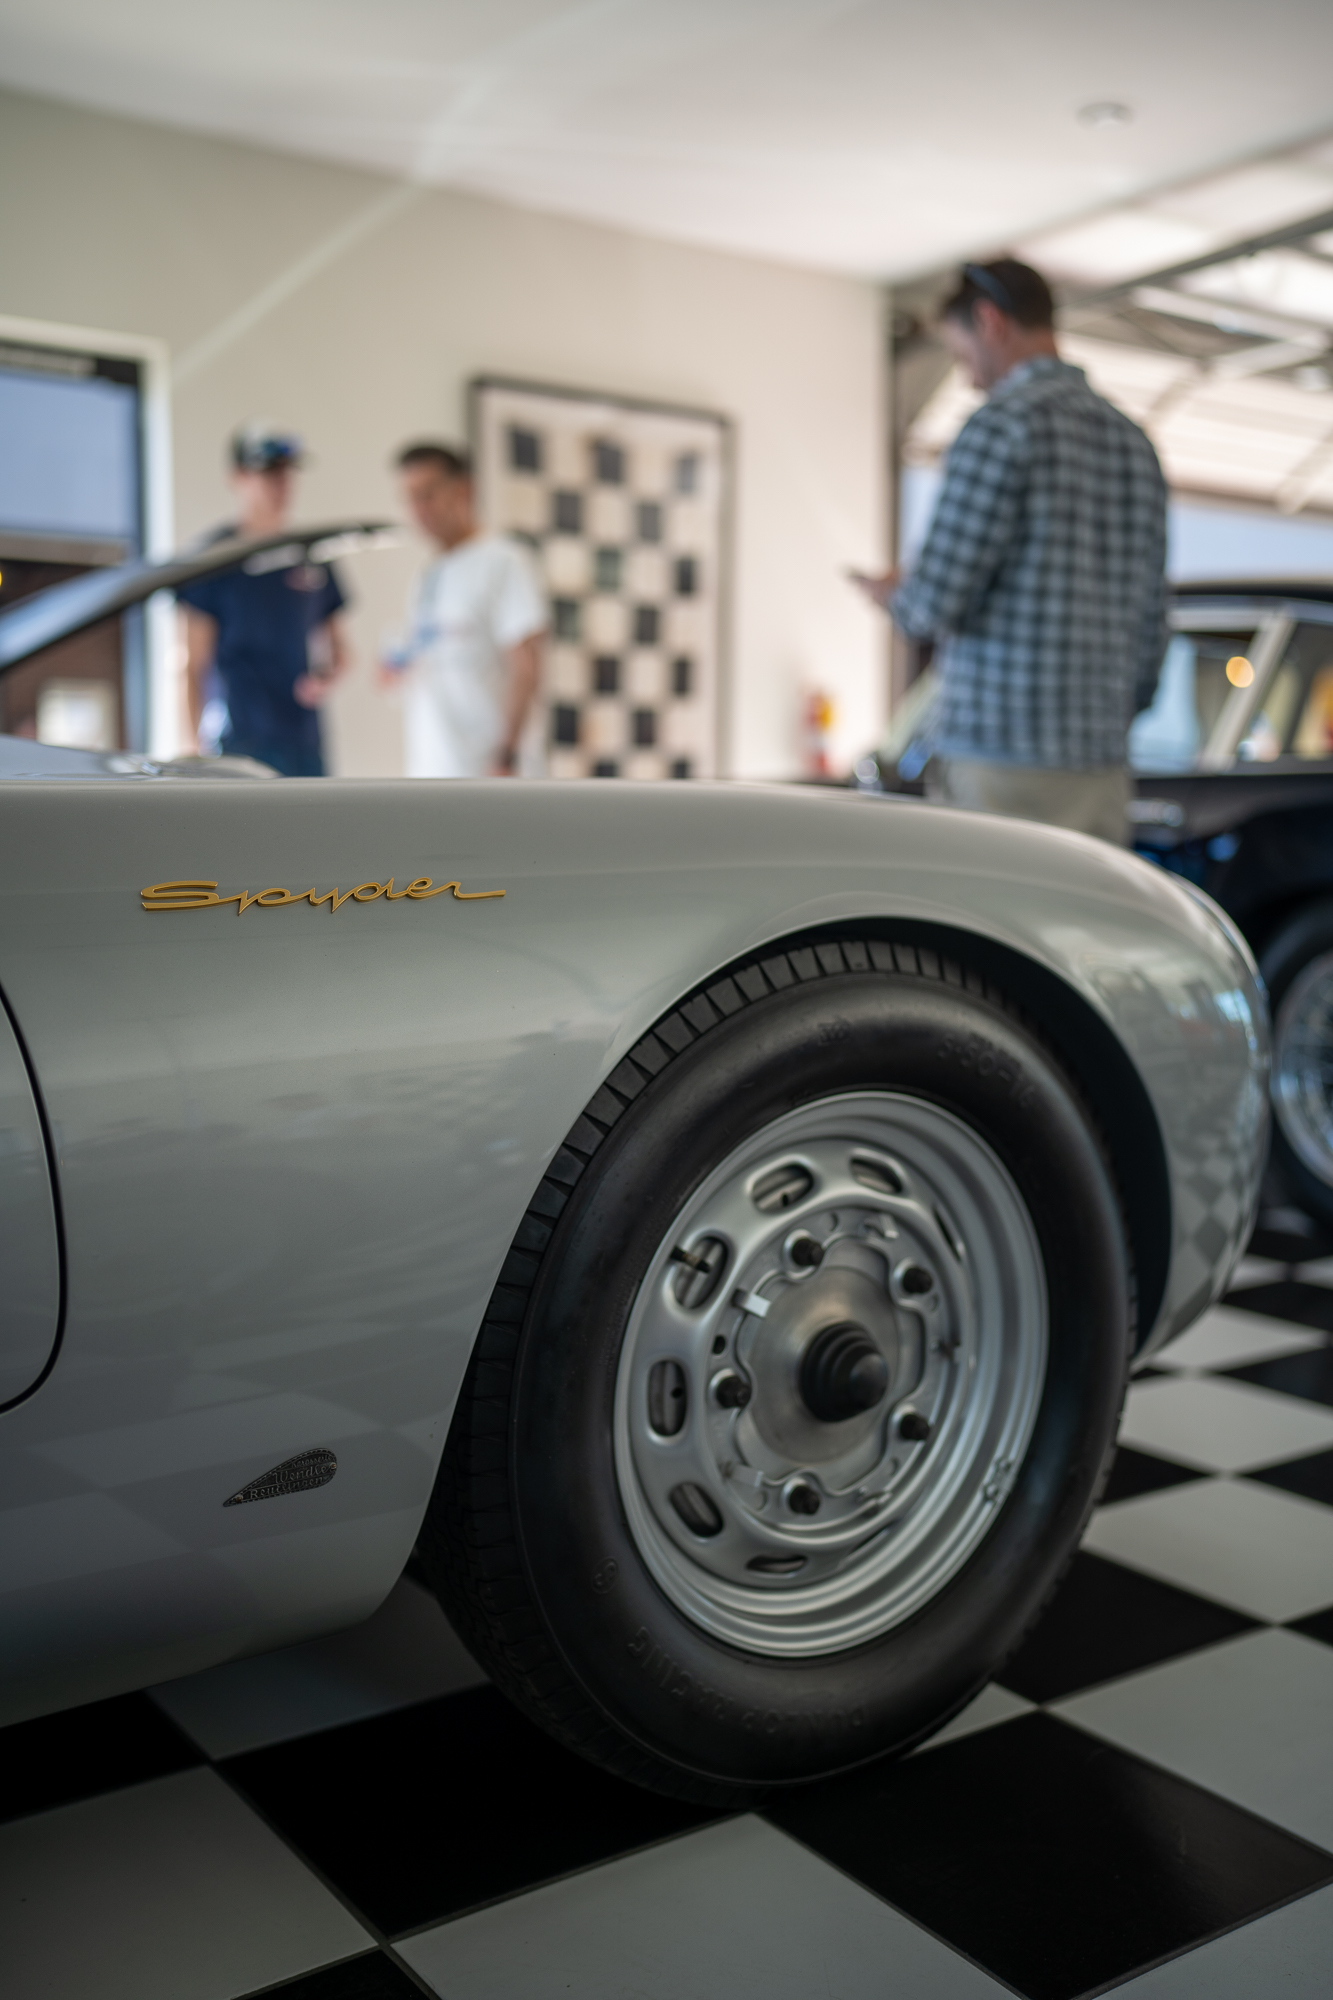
point(1104, 112)
point(1239, 671)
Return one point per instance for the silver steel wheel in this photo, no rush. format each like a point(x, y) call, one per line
point(1303, 1066)
point(831, 1374)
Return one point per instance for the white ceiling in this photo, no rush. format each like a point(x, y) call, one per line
point(1201, 216)
point(861, 135)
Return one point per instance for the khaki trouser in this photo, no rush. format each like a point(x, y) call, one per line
point(1088, 801)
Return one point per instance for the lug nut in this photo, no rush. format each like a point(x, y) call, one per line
point(916, 1280)
point(805, 1252)
point(732, 1391)
point(803, 1499)
point(913, 1427)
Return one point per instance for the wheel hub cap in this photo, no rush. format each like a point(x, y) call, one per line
point(843, 1374)
point(786, 1352)
point(830, 1374)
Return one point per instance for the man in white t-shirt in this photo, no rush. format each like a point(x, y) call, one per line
point(475, 626)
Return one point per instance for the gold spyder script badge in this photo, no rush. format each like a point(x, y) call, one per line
point(204, 895)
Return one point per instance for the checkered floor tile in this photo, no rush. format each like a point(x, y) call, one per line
point(1144, 1803)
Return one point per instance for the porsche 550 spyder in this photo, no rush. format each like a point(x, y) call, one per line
point(709, 1224)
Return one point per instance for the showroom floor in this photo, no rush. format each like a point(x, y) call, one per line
point(1145, 1803)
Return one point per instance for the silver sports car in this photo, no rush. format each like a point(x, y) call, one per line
point(710, 1225)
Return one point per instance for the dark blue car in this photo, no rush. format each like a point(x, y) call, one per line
point(1234, 768)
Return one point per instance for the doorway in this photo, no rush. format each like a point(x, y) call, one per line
point(83, 485)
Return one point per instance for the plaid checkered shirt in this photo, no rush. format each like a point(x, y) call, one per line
point(1042, 576)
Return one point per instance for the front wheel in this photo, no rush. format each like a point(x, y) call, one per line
point(1297, 966)
point(796, 1392)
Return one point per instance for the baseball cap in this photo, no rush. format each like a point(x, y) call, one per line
point(261, 447)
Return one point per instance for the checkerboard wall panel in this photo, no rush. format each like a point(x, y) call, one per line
point(622, 505)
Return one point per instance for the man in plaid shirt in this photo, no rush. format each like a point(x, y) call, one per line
point(1042, 575)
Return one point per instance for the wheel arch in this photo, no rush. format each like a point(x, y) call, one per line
point(1088, 1049)
point(475, 1544)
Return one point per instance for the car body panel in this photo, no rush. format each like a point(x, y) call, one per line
point(293, 1144)
point(1259, 845)
point(29, 1239)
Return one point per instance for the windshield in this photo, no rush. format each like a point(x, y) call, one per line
point(1200, 673)
point(1295, 718)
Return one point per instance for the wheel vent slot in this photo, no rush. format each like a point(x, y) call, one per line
point(776, 1565)
point(667, 1398)
point(696, 1510)
point(947, 1232)
point(698, 1272)
point(877, 1174)
point(782, 1187)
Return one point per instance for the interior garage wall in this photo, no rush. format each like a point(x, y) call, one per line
point(323, 299)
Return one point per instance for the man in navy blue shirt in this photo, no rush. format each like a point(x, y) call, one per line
point(271, 633)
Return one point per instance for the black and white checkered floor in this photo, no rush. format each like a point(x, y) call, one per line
point(1146, 1802)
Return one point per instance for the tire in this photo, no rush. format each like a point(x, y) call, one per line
point(877, 1557)
point(1297, 966)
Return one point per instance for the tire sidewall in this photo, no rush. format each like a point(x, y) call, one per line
point(693, 1700)
point(1305, 936)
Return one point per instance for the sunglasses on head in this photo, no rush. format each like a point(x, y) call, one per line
point(987, 282)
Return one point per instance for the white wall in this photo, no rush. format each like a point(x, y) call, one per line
point(322, 299)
